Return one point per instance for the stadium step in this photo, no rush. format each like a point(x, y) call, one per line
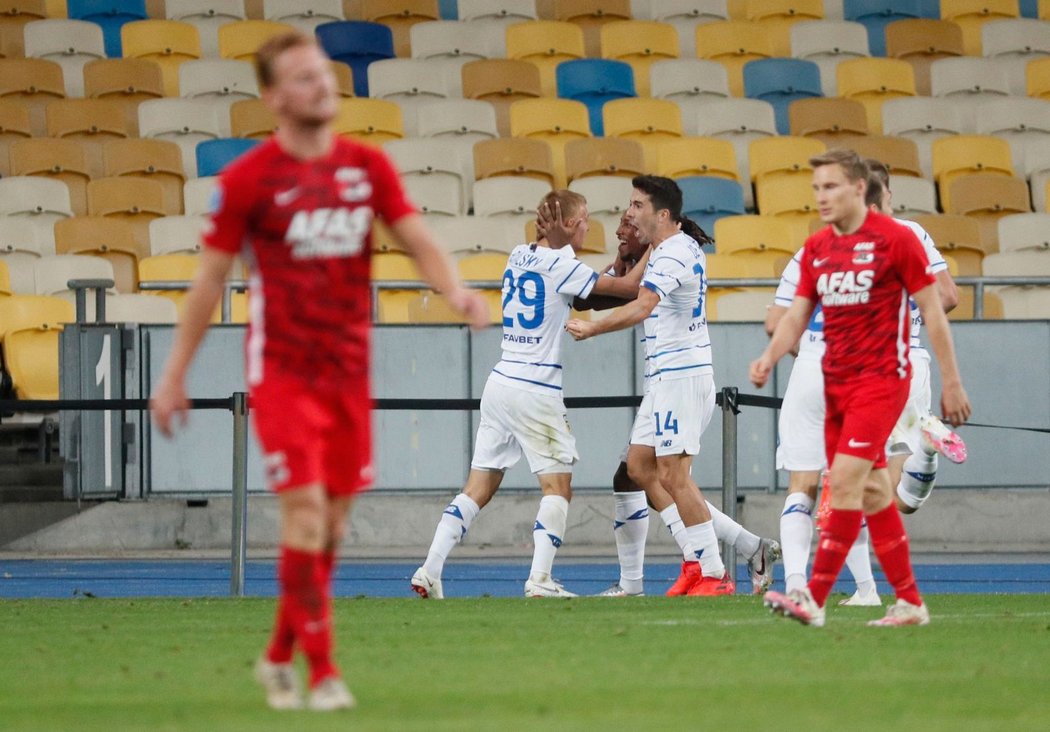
point(22, 519)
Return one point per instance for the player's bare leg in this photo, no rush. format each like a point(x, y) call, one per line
point(455, 521)
point(673, 473)
point(549, 532)
point(641, 467)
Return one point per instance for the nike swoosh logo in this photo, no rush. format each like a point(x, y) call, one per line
point(854, 443)
point(820, 262)
point(283, 198)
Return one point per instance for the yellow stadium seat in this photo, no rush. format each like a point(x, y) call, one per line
point(168, 43)
point(639, 43)
point(899, 154)
point(514, 156)
point(959, 155)
point(251, 118)
point(93, 122)
point(14, 125)
point(1037, 76)
point(127, 81)
point(31, 327)
point(748, 234)
point(920, 42)
point(993, 306)
point(555, 121)
point(733, 43)
point(400, 16)
point(828, 119)
point(604, 156)
point(648, 121)
point(970, 15)
point(784, 156)
point(485, 266)
point(33, 82)
point(371, 121)
point(775, 17)
point(988, 197)
point(501, 82)
point(108, 238)
point(960, 238)
point(5, 279)
point(158, 160)
point(590, 16)
point(871, 81)
point(750, 306)
point(135, 200)
point(394, 266)
point(428, 307)
point(171, 268)
point(688, 156)
point(240, 39)
point(63, 160)
point(545, 44)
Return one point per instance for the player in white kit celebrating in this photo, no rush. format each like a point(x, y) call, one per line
point(681, 398)
point(522, 410)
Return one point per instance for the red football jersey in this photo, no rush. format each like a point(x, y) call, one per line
point(862, 281)
point(304, 227)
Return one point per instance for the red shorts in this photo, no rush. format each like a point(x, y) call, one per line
point(314, 435)
point(861, 414)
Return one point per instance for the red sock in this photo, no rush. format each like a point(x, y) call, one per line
point(328, 566)
point(840, 531)
point(282, 643)
point(308, 603)
point(890, 543)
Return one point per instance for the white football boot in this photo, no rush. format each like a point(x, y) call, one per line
point(280, 682)
point(901, 613)
point(548, 588)
point(798, 605)
point(615, 590)
point(330, 695)
point(426, 586)
point(760, 566)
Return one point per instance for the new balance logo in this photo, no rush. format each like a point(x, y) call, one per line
point(453, 510)
point(699, 553)
point(555, 540)
point(639, 514)
point(618, 524)
point(666, 443)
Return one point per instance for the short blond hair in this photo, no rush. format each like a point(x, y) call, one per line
point(854, 168)
point(267, 54)
point(571, 202)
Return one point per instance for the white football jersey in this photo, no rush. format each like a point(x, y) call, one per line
point(539, 285)
point(937, 264)
point(811, 346)
point(679, 345)
point(643, 340)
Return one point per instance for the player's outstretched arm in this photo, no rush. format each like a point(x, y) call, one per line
point(630, 314)
point(955, 404)
point(948, 290)
point(169, 398)
point(436, 267)
point(625, 288)
point(785, 336)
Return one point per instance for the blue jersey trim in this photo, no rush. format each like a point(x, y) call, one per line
point(527, 381)
point(530, 363)
point(684, 368)
point(667, 256)
point(654, 288)
point(578, 265)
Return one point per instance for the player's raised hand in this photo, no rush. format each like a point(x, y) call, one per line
point(955, 404)
point(760, 370)
point(551, 226)
point(581, 329)
point(168, 404)
point(472, 306)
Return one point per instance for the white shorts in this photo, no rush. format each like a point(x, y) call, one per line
point(906, 438)
point(515, 421)
point(674, 414)
point(800, 446)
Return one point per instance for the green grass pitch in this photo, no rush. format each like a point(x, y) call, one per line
point(501, 664)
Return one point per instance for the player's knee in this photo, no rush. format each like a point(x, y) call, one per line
point(622, 482)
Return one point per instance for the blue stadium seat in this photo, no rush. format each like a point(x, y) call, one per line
point(780, 81)
point(1030, 9)
point(214, 155)
point(594, 82)
point(356, 43)
point(706, 199)
point(110, 15)
point(449, 9)
point(875, 15)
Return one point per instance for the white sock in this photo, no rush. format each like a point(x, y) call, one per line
point(858, 561)
point(630, 529)
point(733, 533)
point(451, 529)
point(705, 543)
point(677, 529)
point(547, 535)
point(917, 478)
point(796, 535)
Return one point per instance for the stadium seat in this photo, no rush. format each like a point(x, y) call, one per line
point(107, 238)
point(790, 196)
point(875, 15)
point(14, 126)
point(502, 12)
point(988, 197)
point(206, 16)
point(827, 43)
point(781, 81)
point(457, 40)
point(920, 42)
point(93, 122)
point(482, 267)
point(698, 156)
point(467, 234)
point(651, 122)
point(466, 120)
point(639, 43)
point(993, 306)
point(899, 154)
point(357, 44)
point(1037, 78)
point(111, 15)
point(305, 15)
point(690, 83)
point(127, 81)
point(872, 81)
point(605, 194)
point(428, 307)
point(5, 280)
point(57, 159)
point(140, 308)
point(514, 156)
point(31, 325)
point(827, 119)
point(413, 84)
point(1021, 121)
point(434, 197)
point(706, 200)
point(965, 154)
point(136, 201)
point(214, 155)
point(733, 43)
point(394, 266)
point(594, 241)
point(604, 156)
point(170, 268)
point(912, 196)
point(17, 13)
point(1024, 232)
point(218, 78)
point(400, 16)
point(22, 242)
point(251, 118)
point(185, 122)
point(595, 82)
point(198, 195)
point(968, 82)
point(1019, 303)
point(69, 43)
point(590, 16)
point(685, 15)
point(371, 121)
point(158, 160)
point(783, 157)
point(760, 237)
point(238, 40)
point(448, 165)
point(176, 234)
point(733, 266)
point(923, 120)
point(501, 82)
point(169, 43)
point(545, 44)
point(43, 199)
point(751, 306)
point(1023, 37)
point(32, 82)
point(740, 121)
point(508, 196)
point(971, 15)
point(776, 18)
point(556, 122)
point(54, 272)
point(958, 237)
